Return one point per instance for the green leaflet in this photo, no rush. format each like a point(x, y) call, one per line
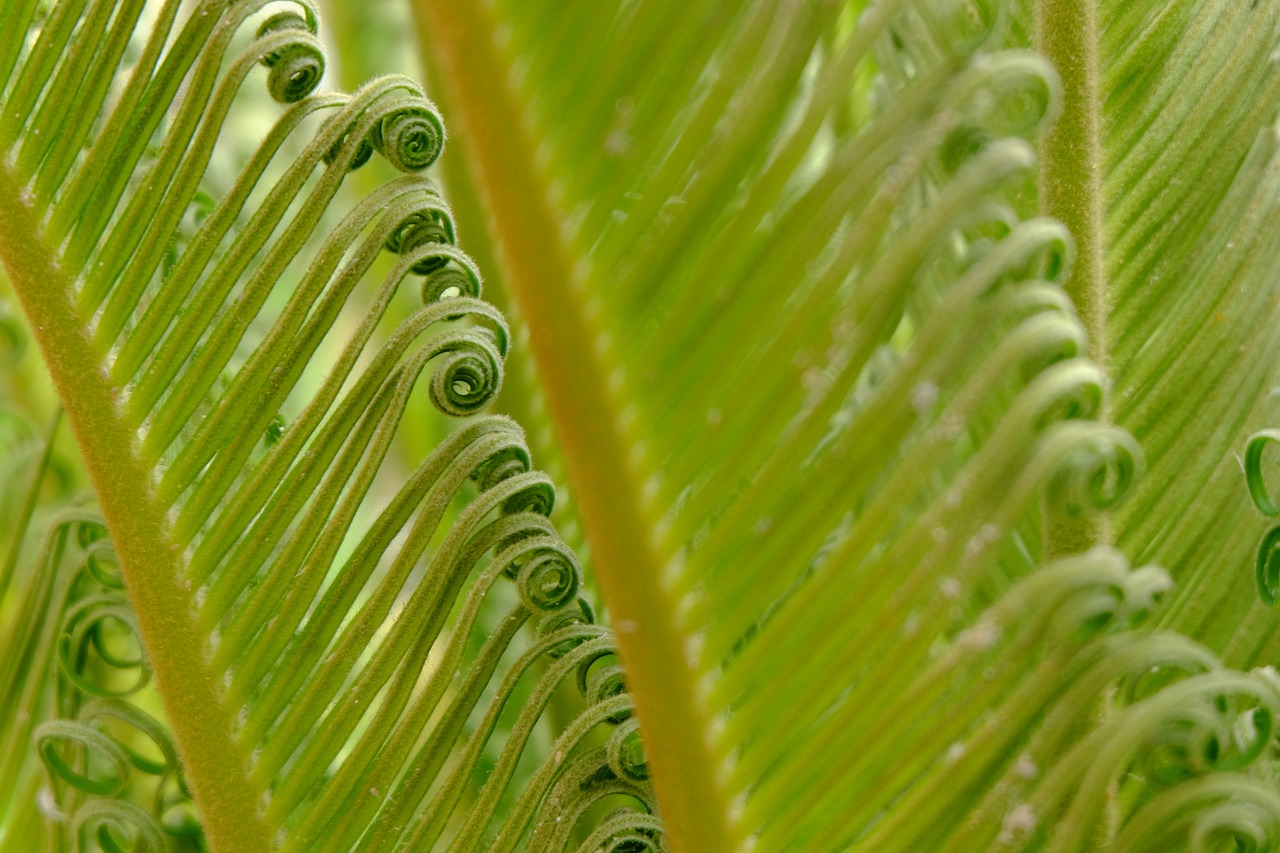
point(1193, 324)
point(787, 283)
point(29, 598)
point(822, 396)
point(310, 610)
point(113, 774)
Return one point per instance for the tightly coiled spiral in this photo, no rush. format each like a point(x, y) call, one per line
point(1096, 467)
point(411, 137)
point(113, 768)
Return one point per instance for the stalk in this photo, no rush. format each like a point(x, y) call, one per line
point(150, 562)
point(604, 471)
point(1071, 191)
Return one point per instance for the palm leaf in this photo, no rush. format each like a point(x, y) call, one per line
point(1193, 388)
point(829, 397)
point(308, 611)
point(832, 397)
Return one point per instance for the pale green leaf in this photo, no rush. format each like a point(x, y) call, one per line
point(832, 393)
point(352, 652)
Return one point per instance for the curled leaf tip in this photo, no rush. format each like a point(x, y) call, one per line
point(411, 137)
point(1096, 470)
point(1267, 567)
point(298, 65)
point(1253, 475)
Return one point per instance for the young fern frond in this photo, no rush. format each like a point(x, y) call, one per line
point(852, 423)
point(113, 771)
point(29, 638)
point(1192, 178)
point(847, 413)
point(308, 620)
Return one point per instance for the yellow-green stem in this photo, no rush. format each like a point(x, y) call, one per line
point(674, 720)
point(149, 561)
point(1071, 191)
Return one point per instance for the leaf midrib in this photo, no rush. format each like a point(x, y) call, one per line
point(149, 561)
point(583, 397)
point(1070, 187)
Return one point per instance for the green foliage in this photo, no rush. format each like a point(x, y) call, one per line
point(350, 651)
point(858, 393)
point(901, 358)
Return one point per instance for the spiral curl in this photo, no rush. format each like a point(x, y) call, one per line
point(1158, 661)
point(422, 228)
point(586, 781)
point(282, 22)
point(625, 751)
point(118, 826)
point(106, 755)
point(1068, 391)
point(1038, 250)
point(1019, 95)
point(66, 747)
point(296, 68)
point(548, 577)
point(1144, 591)
point(969, 25)
point(1202, 727)
point(146, 725)
point(411, 137)
point(502, 465)
point(101, 563)
point(537, 496)
point(297, 74)
point(1007, 94)
point(1089, 593)
point(89, 532)
point(603, 683)
point(1100, 606)
point(1095, 469)
point(449, 283)
point(361, 155)
point(1050, 339)
point(83, 629)
point(1086, 614)
point(1206, 737)
point(468, 374)
point(562, 621)
point(1244, 827)
point(961, 145)
point(626, 831)
point(1222, 812)
point(981, 229)
point(115, 760)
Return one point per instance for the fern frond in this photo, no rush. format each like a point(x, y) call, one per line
point(1193, 182)
point(31, 589)
point(113, 772)
point(308, 614)
point(819, 377)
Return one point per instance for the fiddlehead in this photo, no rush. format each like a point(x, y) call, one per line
point(111, 765)
point(1267, 561)
point(296, 68)
point(314, 580)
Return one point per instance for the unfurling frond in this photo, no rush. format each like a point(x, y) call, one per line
point(235, 364)
point(859, 450)
point(895, 351)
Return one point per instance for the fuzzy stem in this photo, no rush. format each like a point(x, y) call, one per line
point(149, 561)
point(598, 452)
point(1071, 191)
